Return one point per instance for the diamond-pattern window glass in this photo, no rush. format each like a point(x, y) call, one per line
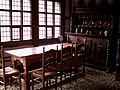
point(41, 5)
point(27, 33)
point(16, 4)
point(57, 7)
point(42, 32)
point(4, 18)
point(4, 4)
point(5, 34)
point(26, 5)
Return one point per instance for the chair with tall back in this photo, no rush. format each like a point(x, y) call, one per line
point(47, 74)
point(7, 60)
point(8, 74)
point(79, 58)
point(65, 66)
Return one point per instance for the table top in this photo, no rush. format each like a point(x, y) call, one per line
point(23, 52)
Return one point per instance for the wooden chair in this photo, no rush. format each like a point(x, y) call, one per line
point(65, 66)
point(79, 58)
point(48, 73)
point(8, 74)
point(7, 60)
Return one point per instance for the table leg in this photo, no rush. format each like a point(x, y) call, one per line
point(26, 84)
point(26, 76)
point(13, 62)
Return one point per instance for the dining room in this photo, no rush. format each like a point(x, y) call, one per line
point(83, 36)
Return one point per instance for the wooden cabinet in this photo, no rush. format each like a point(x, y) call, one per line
point(97, 49)
point(100, 28)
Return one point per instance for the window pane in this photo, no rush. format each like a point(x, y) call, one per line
point(13, 21)
point(57, 7)
point(5, 34)
point(26, 5)
point(57, 32)
point(15, 34)
point(27, 33)
point(52, 21)
point(26, 18)
point(41, 19)
point(16, 18)
point(49, 6)
point(49, 19)
point(42, 32)
point(49, 32)
point(4, 18)
point(4, 4)
point(57, 20)
point(16, 4)
point(41, 5)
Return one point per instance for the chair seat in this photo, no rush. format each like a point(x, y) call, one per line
point(77, 63)
point(8, 74)
point(9, 71)
point(48, 73)
point(64, 66)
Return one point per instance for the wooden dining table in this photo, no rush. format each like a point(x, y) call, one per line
point(29, 55)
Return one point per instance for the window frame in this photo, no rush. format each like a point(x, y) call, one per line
point(34, 27)
point(51, 22)
point(16, 20)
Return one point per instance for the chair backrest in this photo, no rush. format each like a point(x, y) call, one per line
point(7, 72)
point(80, 50)
point(49, 59)
point(80, 47)
point(66, 53)
point(3, 61)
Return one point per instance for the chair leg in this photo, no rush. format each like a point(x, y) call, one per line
point(83, 71)
point(56, 82)
point(43, 84)
point(5, 87)
point(61, 81)
point(20, 82)
point(48, 82)
point(70, 75)
point(5, 84)
point(32, 83)
point(10, 80)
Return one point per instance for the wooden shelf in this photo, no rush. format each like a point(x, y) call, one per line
point(87, 35)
